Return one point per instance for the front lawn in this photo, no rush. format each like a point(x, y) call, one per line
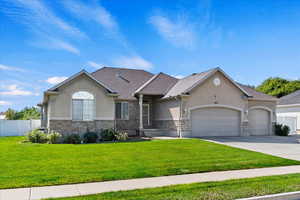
point(26, 164)
point(224, 190)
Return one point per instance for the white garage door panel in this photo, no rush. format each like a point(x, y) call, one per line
point(259, 121)
point(215, 122)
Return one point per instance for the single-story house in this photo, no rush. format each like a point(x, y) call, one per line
point(202, 104)
point(288, 110)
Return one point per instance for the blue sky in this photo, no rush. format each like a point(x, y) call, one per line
point(42, 42)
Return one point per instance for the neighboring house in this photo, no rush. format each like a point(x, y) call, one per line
point(202, 104)
point(288, 111)
point(2, 115)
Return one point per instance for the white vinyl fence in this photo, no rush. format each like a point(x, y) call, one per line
point(289, 121)
point(17, 127)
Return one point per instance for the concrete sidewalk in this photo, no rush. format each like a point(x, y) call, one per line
point(109, 186)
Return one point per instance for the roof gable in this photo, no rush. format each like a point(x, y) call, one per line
point(82, 72)
point(187, 84)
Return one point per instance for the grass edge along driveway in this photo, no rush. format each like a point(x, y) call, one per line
point(223, 190)
point(27, 165)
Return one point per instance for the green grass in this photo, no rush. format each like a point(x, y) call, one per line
point(26, 164)
point(224, 190)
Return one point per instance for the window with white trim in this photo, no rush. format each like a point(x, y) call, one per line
point(122, 110)
point(83, 106)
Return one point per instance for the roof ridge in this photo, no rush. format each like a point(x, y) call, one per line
point(122, 68)
point(99, 69)
point(199, 73)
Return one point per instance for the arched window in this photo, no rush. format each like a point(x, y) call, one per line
point(83, 106)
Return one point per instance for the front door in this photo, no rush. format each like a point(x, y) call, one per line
point(146, 115)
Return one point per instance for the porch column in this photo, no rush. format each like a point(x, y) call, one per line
point(141, 112)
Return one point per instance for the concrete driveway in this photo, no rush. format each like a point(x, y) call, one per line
point(286, 147)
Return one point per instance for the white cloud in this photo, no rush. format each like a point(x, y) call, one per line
point(59, 44)
point(36, 15)
point(43, 23)
point(13, 90)
point(94, 12)
point(5, 103)
point(94, 64)
point(133, 62)
point(56, 79)
point(10, 68)
point(178, 32)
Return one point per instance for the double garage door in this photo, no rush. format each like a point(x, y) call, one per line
point(215, 121)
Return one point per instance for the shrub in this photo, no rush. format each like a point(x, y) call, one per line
point(54, 137)
point(112, 135)
point(286, 130)
point(90, 137)
point(72, 139)
point(121, 136)
point(108, 135)
point(282, 130)
point(37, 136)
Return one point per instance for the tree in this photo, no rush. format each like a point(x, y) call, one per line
point(10, 114)
point(278, 86)
point(25, 114)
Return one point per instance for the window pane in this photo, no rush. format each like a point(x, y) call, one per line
point(125, 110)
point(118, 110)
point(88, 109)
point(77, 109)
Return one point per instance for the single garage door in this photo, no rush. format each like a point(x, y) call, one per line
point(259, 122)
point(215, 122)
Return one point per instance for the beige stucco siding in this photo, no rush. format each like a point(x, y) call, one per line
point(61, 104)
point(269, 104)
point(167, 110)
point(224, 94)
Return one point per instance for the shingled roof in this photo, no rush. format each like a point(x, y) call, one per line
point(126, 83)
point(159, 84)
point(293, 98)
point(183, 84)
point(257, 95)
point(122, 80)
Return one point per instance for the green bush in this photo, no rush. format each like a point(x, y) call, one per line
point(282, 130)
point(72, 139)
point(37, 136)
point(108, 135)
point(90, 137)
point(54, 137)
point(121, 136)
point(112, 135)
